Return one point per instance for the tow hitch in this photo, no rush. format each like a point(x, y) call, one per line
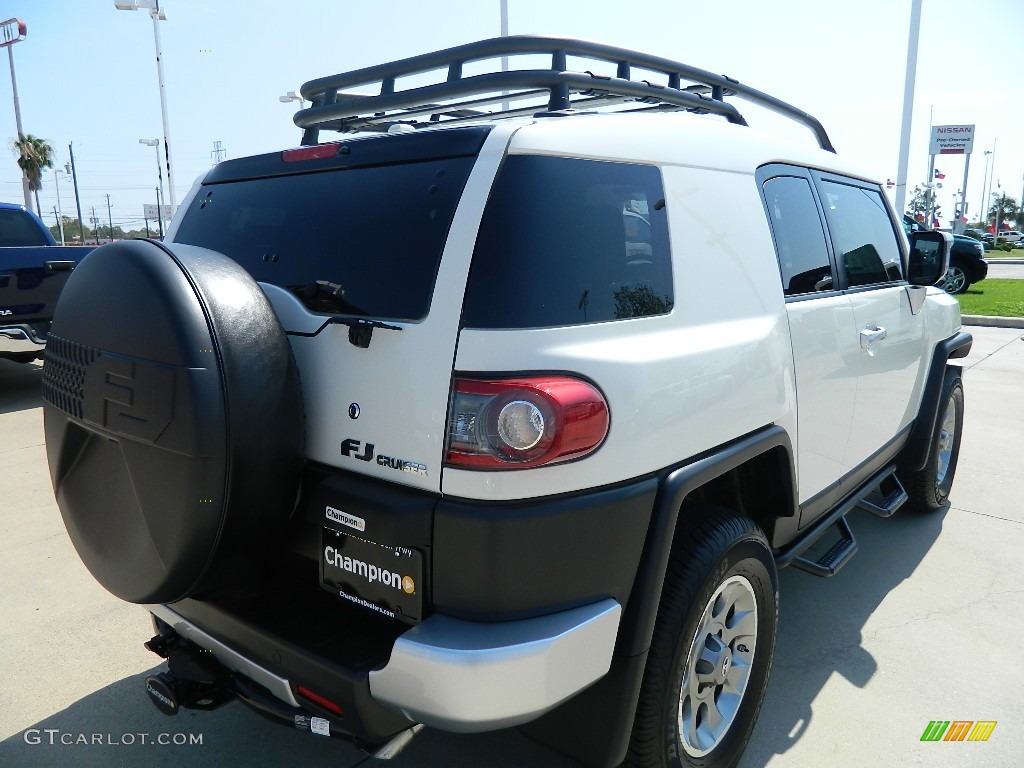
point(194, 678)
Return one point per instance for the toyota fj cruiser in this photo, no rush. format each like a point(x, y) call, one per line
point(478, 420)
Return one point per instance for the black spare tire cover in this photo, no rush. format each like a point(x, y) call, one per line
point(173, 417)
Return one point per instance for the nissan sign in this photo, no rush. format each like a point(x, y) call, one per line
point(952, 140)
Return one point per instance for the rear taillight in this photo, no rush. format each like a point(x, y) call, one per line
point(523, 422)
point(317, 152)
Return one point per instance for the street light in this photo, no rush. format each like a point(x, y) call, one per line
point(291, 96)
point(13, 31)
point(56, 184)
point(157, 14)
point(160, 175)
point(983, 216)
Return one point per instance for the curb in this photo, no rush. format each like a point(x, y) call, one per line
point(992, 321)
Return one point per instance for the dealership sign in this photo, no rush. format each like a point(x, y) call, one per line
point(952, 140)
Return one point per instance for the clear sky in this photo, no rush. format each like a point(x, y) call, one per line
point(87, 74)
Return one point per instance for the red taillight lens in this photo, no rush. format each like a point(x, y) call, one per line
point(318, 152)
point(523, 422)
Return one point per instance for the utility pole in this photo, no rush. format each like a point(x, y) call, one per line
point(159, 213)
point(110, 221)
point(219, 153)
point(145, 219)
point(95, 225)
point(78, 200)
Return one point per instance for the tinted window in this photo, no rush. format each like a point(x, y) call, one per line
point(566, 241)
point(18, 229)
point(799, 237)
point(862, 234)
point(376, 232)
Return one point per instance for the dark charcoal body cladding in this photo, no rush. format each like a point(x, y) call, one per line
point(173, 419)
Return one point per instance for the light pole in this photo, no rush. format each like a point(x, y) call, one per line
point(156, 14)
point(291, 96)
point(983, 216)
point(56, 185)
point(13, 31)
point(160, 175)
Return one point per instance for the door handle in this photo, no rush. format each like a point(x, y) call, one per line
point(60, 266)
point(871, 336)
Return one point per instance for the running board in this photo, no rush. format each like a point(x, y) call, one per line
point(893, 497)
point(837, 556)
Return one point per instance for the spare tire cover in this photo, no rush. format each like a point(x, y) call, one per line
point(173, 417)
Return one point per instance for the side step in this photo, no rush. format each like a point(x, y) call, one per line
point(836, 557)
point(893, 497)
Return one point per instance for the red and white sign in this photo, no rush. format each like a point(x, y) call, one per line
point(952, 140)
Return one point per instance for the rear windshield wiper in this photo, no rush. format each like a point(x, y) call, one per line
point(325, 296)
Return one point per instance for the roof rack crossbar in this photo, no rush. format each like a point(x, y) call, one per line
point(333, 104)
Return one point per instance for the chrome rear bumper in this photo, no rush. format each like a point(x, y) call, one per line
point(17, 339)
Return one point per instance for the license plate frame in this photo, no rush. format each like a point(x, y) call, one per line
point(384, 579)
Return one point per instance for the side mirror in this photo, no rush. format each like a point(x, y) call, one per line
point(929, 257)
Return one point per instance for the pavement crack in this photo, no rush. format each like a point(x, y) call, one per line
point(985, 514)
point(993, 352)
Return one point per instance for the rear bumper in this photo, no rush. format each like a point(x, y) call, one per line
point(470, 676)
point(18, 339)
point(447, 673)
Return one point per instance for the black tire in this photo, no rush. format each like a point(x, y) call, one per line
point(717, 555)
point(929, 488)
point(173, 419)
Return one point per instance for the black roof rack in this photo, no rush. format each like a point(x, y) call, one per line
point(459, 98)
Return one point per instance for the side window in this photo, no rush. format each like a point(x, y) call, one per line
point(862, 234)
point(799, 237)
point(567, 241)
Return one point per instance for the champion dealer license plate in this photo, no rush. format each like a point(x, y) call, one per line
point(387, 580)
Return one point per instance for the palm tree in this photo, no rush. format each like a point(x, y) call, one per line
point(34, 156)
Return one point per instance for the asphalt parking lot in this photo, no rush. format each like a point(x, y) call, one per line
point(922, 625)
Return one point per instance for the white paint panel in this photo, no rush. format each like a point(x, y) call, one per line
point(889, 380)
point(716, 368)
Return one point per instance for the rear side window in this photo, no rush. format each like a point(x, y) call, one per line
point(361, 241)
point(19, 229)
point(799, 237)
point(566, 241)
point(862, 233)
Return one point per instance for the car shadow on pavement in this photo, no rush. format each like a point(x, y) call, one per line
point(821, 623)
point(117, 725)
point(820, 634)
point(19, 386)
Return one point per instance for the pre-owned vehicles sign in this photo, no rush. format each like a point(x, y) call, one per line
point(952, 140)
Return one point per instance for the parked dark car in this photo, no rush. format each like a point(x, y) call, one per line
point(33, 270)
point(967, 264)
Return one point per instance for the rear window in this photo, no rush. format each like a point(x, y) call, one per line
point(566, 241)
point(360, 241)
point(18, 229)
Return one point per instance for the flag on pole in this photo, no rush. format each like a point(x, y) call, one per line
point(939, 174)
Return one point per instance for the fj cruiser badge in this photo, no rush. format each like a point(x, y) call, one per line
point(357, 450)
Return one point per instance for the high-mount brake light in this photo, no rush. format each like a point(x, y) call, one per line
point(317, 152)
point(523, 422)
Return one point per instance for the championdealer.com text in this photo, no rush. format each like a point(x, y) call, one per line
point(55, 736)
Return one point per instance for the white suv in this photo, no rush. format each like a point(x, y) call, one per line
point(483, 420)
